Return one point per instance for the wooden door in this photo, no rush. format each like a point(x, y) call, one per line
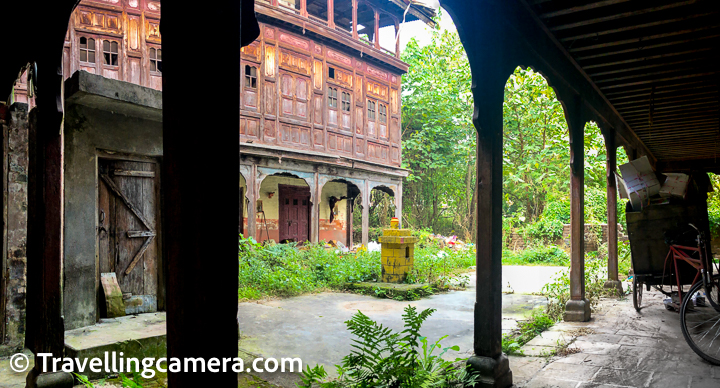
point(127, 229)
point(294, 213)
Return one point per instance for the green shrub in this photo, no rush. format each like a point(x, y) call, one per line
point(558, 291)
point(384, 358)
point(288, 270)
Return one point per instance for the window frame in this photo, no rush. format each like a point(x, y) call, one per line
point(332, 101)
point(111, 53)
point(154, 60)
point(371, 108)
point(250, 77)
point(382, 113)
point(347, 102)
point(87, 49)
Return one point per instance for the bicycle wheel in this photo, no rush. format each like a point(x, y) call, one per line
point(701, 324)
point(637, 294)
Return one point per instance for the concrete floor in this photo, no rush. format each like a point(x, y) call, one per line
point(620, 347)
point(312, 327)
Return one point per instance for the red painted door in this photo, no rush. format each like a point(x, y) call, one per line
point(294, 213)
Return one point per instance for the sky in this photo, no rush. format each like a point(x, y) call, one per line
point(417, 29)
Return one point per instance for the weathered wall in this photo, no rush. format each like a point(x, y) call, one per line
point(15, 179)
point(89, 131)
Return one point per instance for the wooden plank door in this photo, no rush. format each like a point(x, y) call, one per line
point(294, 213)
point(127, 229)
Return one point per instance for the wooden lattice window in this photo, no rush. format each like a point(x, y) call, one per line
point(383, 113)
point(371, 110)
point(87, 50)
point(110, 52)
point(250, 77)
point(155, 59)
point(332, 97)
point(346, 102)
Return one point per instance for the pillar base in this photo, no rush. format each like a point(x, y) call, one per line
point(49, 380)
point(615, 285)
point(494, 372)
point(577, 311)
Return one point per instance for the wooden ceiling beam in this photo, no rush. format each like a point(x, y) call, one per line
point(663, 99)
point(641, 39)
point(651, 81)
point(645, 48)
point(646, 58)
point(659, 90)
point(596, 34)
point(622, 15)
point(663, 64)
point(691, 70)
point(580, 8)
point(664, 105)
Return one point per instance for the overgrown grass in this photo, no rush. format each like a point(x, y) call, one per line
point(527, 330)
point(539, 255)
point(285, 270)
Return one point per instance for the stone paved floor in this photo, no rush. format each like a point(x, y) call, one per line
point(620, 347)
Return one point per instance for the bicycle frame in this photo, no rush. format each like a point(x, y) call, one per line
point(703, 264)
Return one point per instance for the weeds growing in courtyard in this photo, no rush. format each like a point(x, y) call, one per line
point(384, 358)
point(288, 270)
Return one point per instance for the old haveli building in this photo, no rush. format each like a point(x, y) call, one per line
point(320, 121)
point(319, 130)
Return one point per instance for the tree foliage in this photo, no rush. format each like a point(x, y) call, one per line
point(439, 144)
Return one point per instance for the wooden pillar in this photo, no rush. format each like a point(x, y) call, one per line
point(202, 296)
point(577, 308)
point(303, 8)
point(315, 210)
point(376, 32)
point(365, 213)
point(349, 222)
point(354, 19)
point(45, 328)
point(613, 281)
point(488, 120)
point(397, 39)
point(252, 190)
point(331, 13)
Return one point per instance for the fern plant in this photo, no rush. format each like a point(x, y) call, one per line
point(383, 358)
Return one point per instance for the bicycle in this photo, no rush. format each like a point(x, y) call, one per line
point(700, 308)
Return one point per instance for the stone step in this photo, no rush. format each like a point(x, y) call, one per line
point(139, 336)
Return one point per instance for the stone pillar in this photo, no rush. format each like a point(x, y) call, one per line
point(577, 308)
point(398, 203)
point(613, 281)
point(365, 213)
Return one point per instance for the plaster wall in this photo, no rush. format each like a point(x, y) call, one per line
point(88, 131)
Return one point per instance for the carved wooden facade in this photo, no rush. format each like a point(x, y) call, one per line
point(299, 93)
